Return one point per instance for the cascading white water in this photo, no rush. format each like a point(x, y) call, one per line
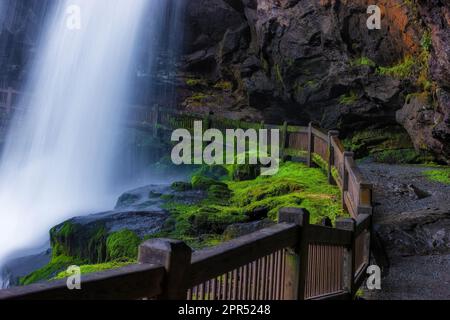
point(58, 160)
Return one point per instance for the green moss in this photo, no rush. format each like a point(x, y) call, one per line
point(279, 75)
point(349, 98)
point(401, 156)
point(201, 182)
point(403, 70)
point(442, 176)
point(426, 42)
point(230, 202)
point(92, 268)
point(122, 246)
point(194, 82)
point(363, 61)
point(219, 194)
point(198, 97)
point(216, 172)
point(224, 85)
point(56, 265)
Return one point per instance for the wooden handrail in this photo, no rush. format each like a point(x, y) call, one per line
point(130, 282)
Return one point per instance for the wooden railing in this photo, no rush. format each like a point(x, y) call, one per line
point(292, 260)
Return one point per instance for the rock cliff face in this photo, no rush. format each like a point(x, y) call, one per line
point(306, 60)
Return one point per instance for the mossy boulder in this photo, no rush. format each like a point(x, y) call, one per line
point(219, 193)
point(200, 182)
point(215, 172)
point(86, 242)
point(122, 246)
point(212, 220)
point(245, 172)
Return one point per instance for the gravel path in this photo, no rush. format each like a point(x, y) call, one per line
point(418, 246)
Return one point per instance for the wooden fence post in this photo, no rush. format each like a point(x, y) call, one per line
point(349, 256)
point(347, 154)
point(175, 256)
point(331, 134)
point(296, 263)
point(309, 160)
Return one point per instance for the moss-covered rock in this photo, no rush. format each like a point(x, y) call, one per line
point(201, 182)
point(85, 242)
point(216, 172)
point(122, 246)
point(390, 145)
point(245, 172)
point(231, 202)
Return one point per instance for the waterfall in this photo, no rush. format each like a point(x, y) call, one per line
point(59, 159)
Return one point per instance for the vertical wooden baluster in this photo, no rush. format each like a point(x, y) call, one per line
point(213, 289)
point(200, 292)
point(195, 293)
point(277, 279)
point(271, 277)
point(283, 274)
point(262, 278)
point(225, 287)
point(234, 284)
point(255, 280)
point(244, 282)
point(189, 295)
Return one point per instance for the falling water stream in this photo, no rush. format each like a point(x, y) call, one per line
point(59, 158)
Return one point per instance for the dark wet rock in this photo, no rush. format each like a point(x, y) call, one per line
point(14, 269)
point(127, 200)
point(141, 211)
point(258, 214)
point(419, 193)
point(242, 229)
point(181, 186)
point(428, 125)
point(296, 60)
point(422, 232)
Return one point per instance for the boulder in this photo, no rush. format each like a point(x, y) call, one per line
point(421, 232)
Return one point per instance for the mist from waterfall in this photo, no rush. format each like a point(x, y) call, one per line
point(59, 159)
